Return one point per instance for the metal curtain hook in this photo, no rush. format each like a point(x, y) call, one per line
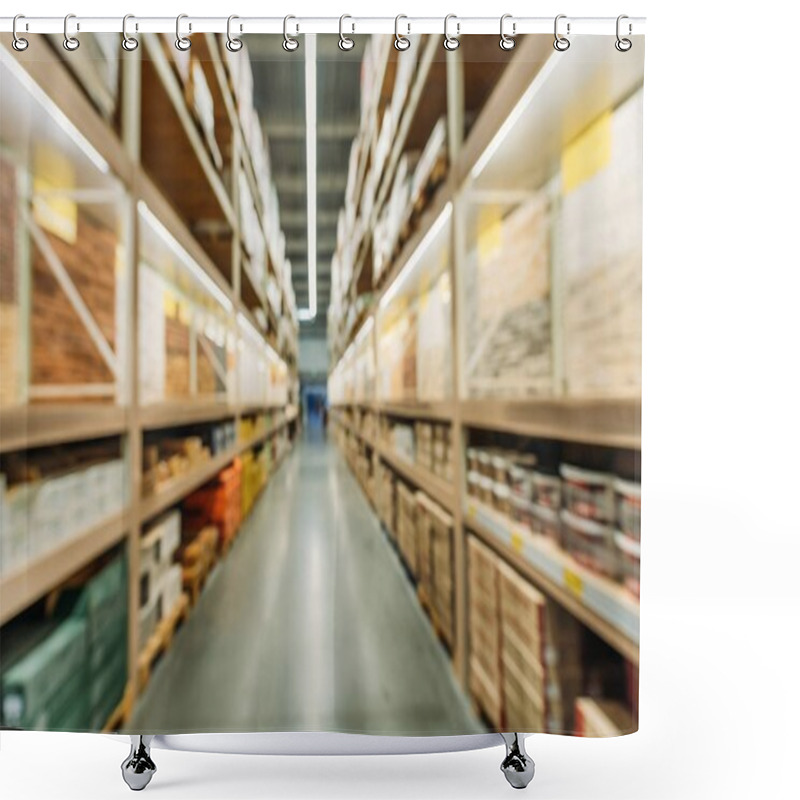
point(233, 44)
point(561, 43)
point(401, 41)
point(507, 42)
point(623, 45)
point(451, 42)
point(182, 42)
point(290, 44)
point(18, 43)
point(129, 43)
point(70, 43)
point(345, 42)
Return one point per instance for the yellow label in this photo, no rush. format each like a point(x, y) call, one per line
point(573, 582)
point(587, 154)
point(490, 231)
point(472, 511)
point(516, 541)
point(53, 180)
point(170, 304)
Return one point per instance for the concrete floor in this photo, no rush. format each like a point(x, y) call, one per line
point(309, 624)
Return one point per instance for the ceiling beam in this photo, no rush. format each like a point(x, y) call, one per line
point(293, 183)
point(298, 218)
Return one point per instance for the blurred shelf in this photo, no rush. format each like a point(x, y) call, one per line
point(602, 605)
point(175, 413)
point(175, 489)
point(352, 430)
point(440, 411)
point(25, 586)
point(609, 422)
point(435, 487)
point(39, 425)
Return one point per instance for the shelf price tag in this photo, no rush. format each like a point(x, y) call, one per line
point(573, 582)
point(472, 511)
point(517, 541)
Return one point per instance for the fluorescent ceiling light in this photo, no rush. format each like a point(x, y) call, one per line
point(184, 259)
point(512, 119)
point(412, 262)
point(308, 314)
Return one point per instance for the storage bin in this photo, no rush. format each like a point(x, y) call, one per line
point(630, 554)
point(629, 507)
point(588, 494)
point(546, 490)
point(589, 543)
point(546, 522)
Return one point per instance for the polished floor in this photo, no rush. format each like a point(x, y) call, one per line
point(309, 624)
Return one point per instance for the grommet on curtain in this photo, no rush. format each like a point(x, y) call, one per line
point(451, 42)
point(18, 43)
point(560, 43)
point(623, 44)
point(290, 44)
point(345, 42)
point(507, 42)
point(233, 44)
point(70, 43)
point(129, 43)
point(401, 41)
point(182, 42)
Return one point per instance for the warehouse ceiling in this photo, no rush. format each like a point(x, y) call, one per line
point(279, 97)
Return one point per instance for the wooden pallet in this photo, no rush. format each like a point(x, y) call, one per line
point(119, 716)
point(161, 640)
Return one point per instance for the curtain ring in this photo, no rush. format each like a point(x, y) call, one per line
point(18, 43)
point(561, 43)
point(290, 44)
point(233, 44)
point(401, 41)
point(623, 45)
point(70, 43)
point(129, 43)
point(507, 42)
point(451, 42)
point(182, 42)
point(345, 42)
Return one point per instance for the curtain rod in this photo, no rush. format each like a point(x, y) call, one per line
point(350, 25)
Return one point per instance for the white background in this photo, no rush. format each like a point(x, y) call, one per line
point(720, 601)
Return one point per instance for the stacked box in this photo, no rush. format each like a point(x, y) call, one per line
point(103, 605)
point(62, 351)
point(442, 451)
point(196, 555)
point(157, 573)
point(177, 339)
point(38, 516)
point(443, 592)
point(485, 669)
point(219, 502)
point(602, 718)
point(406, 527)
point(254, 476)
point(507, 293)
point(522, 615)
point(602, 258)
point(387, 493)
point(44, 667)
point(434, 340)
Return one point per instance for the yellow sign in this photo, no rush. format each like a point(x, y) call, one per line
point(517, 541)
point(587, 154)
point(490, 231)
point(53, 181)
point(573, 582)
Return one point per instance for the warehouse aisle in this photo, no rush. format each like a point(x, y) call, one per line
point(308, 624)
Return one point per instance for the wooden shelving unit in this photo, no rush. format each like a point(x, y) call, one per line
point(193, 200)
point(484, 153)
